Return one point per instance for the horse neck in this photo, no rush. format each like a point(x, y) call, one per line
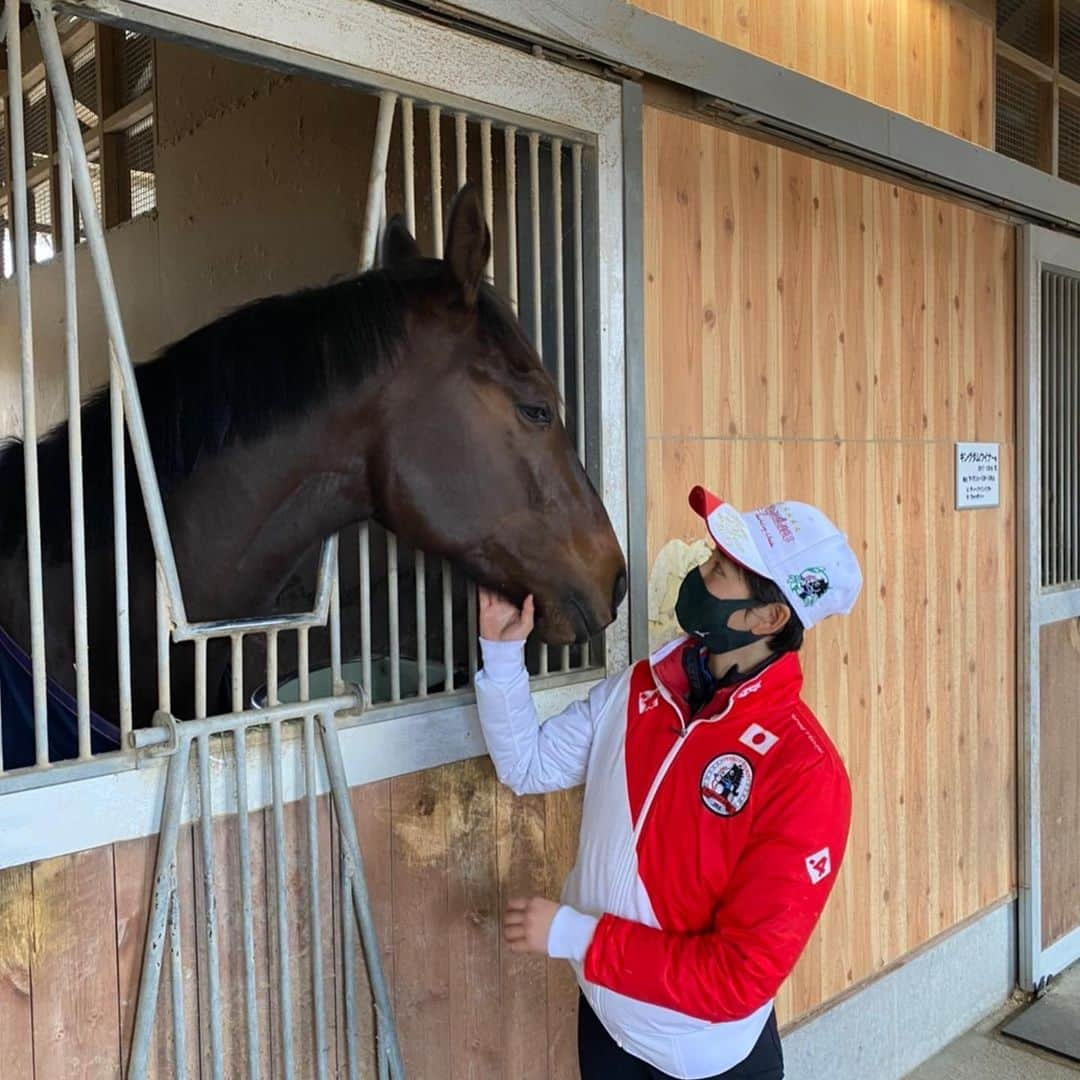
point(247, 516)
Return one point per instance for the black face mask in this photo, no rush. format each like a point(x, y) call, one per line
point(703, 615)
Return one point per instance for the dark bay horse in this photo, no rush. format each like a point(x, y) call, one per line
point(408, 395)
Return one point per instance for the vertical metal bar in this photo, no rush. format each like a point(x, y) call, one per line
point(164, 893)
point(281, 901)
point(435, 145)
point(1072, 420)
point(176, 980)
point(236, 671)
point(336, 679)
point(487, 191)
point(537, 292)
point(314, 898)
point(120, 540)
point(74, 403)
point(376, 192)
point(26, 356)
point(395, 625)
point(162, 617)
point(408, 149)
point(579, 325)
point(461, 134)
point(206, 834)
point(1059, 487)
point(354, 870)
point(1047, 347)
point(560, 316)
point(365, 608)
point(510, 138)
point(348, 968)
point(247, 907)
point(448, 624)
point(420, 572)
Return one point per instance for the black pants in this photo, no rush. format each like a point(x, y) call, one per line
point(601, 1058)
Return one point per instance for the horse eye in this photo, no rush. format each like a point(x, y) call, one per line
point(536, 414)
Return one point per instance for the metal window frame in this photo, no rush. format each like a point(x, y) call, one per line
point(1036, 606)
point(374, 47)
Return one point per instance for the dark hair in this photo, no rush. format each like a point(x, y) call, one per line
point(766, 591)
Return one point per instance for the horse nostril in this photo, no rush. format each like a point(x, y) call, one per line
point(620, 591)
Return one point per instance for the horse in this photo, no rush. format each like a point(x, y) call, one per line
point(408, 395)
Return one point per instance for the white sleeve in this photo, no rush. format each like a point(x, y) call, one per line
point(530, 757)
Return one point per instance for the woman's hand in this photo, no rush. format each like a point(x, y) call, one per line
point(501, 620)
point(526, 924)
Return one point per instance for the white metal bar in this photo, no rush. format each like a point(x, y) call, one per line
point(461, 134)
point(26, 356)
point(74, 411)
point(176, 980)
point(281, 903)
point(206, 834)
point(365, 609)
point(236, 671)
point(247, 907)
point(420, 571)
point(120, 552)
point(376, 192)
point(162, 623)
point(579, 324)
point(163, 898)
point(408, 149)
point(435, 147)
point(1045, 285)
point(314, 899)
point(348, 969)
point(1059, 441)
point(487, 190)
point(336, 681)
point(560, 314)
point(537, 289)
point(392, 577)
point(448, 624)
point(510, 137)
point(1072, 426)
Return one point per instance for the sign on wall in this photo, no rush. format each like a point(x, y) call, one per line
point(977, 475)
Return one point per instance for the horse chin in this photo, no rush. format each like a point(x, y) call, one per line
point(561, 625)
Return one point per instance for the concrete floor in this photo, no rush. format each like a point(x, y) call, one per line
point(985, 1054)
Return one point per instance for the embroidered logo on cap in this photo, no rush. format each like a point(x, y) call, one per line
point(758, 738)
point(819, 865)
point(809, 586)
point(725, 784)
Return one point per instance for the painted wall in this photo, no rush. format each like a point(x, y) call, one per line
point(930, 59)
point(820, 335)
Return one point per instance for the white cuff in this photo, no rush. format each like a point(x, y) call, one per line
point(503, 660)
point(570, 934)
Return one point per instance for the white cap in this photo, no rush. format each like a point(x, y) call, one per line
point(792, 544)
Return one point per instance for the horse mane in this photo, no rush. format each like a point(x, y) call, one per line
point(235, 378)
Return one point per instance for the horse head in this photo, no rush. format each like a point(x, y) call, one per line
point(474, 461)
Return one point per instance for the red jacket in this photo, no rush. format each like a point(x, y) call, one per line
point(708, 845)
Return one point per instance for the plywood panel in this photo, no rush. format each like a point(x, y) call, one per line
point(929, 59)
point(873, 328)
point(73, 966)
point(1059, 723)
point(16, 931)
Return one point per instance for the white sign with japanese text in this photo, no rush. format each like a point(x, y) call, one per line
point(977, 475)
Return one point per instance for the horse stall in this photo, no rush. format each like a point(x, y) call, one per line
point(239, 744)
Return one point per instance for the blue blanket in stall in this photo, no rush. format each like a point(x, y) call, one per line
point(17, 714)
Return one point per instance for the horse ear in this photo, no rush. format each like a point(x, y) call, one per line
point(398, 245)
point(468, 241)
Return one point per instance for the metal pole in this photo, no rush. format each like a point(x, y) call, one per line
point(376, 194)
point(560, 320)
point(120, 552)
point(243, 824)
point(176, 979)
point(314, 899)
point(26, 356)
point(392, 604)
point(354, 870)
point(579, 325)
point(164, 896)
point(74, 411)
point(365, 608)
point(537, 293)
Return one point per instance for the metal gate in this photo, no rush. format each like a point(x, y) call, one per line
point(1049, 605)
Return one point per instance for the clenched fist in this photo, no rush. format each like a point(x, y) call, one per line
point(526, 924)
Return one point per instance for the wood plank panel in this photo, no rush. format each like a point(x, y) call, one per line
point(887, 337)
point(73, 966)
point(1059, 774)
point(929, 59)
point(16, 933)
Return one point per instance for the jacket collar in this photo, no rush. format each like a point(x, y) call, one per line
point(776, 686)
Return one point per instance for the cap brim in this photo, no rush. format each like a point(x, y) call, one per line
point(729, 531)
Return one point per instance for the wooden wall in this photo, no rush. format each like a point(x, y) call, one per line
point(930, 59)
point(444, 850)
point(1059, 774)
point(812, 333)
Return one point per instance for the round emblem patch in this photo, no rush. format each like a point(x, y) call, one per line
point(725, 784)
